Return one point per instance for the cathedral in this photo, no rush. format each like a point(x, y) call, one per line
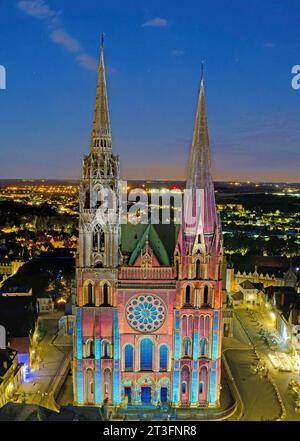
point(148, 323)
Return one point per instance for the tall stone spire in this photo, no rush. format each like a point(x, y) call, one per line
point(101, 131)
point(199, 171)
point(199, 175)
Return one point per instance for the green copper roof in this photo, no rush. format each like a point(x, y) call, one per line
point(162, 240)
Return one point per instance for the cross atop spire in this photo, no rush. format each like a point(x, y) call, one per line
point(199, 172)
point(101, 131)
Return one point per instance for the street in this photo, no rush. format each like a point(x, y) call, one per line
point(253, 324)
point(55, 354)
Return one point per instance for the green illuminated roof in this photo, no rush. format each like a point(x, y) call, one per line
point(162, 240)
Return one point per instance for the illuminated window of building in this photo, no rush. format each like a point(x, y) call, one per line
point(90, 294)
point(187, 347)
point(204, 347)
point(145, 313)
point(90, 348)
point(163, 358)
point(203, 380)
point(201, 388)
point(146, 354)
point(105, 349)
point(128, 358)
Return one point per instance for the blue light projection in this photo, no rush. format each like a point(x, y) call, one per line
point(116, 384)
point(26, 375)
point(212, 390)
point(145, 313)
point(79, 334)
point(163, 358)
point(98, 391)
point(175, 397)
point(177, 336)
point(194, 398)
point(128, 358)
point(196, 345)
point(80, 386)
point(215, 335)
point(176, 376)
point(97, 348)
point(146, 354)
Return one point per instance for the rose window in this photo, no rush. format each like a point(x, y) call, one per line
point(145, 313)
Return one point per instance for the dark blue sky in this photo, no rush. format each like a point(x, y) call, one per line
point(153, 52)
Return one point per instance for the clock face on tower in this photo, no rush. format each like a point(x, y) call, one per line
point(145, 313)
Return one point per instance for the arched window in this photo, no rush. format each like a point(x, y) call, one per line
point(87, 199)
point(89, 385)
point(201, 325)
point(205, 295)
point(128, 358)
point(90, 294)
point(186, 347)
point(95, 242)
point(146, 354)
point(197, 269)
point(185, 380)
point(188, 294)
point(197, 298)
point(163, 358)
point(203, 382)
point(204, 347)
point(207, 326)
point(107, 384)
point(89, 349)
point(105, 294)
point(98, 238)
point(105, 349)
point(177, 269)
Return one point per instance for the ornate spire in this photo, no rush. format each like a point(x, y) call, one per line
point(101, 131)
point(199, 171)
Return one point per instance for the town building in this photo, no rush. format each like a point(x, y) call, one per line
point(11, 371)
point(149, 297)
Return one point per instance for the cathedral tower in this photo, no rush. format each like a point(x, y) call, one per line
point(97, 261)
point(198, 259)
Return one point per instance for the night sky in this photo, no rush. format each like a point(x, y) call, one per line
point(153, 54)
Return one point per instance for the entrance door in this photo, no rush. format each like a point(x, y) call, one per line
point(146, 395)
point(163, 394)
point(127, 391)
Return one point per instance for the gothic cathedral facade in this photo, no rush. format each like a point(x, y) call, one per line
point(148, 323)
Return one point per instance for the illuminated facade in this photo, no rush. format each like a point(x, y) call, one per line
point(149, 297)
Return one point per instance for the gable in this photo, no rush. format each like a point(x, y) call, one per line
point(162, 240)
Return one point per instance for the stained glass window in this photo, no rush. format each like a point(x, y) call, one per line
point(128, 358)
point(163, 358)
point(146, 352)
point(145, 313)
point(204, 347)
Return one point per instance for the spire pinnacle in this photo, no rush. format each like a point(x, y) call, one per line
point(202, 72)
point(199, 173)
point(101, 131)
